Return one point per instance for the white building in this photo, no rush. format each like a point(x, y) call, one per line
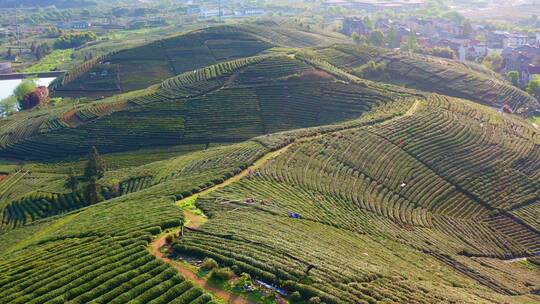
point(514, 40)
point(207, 13)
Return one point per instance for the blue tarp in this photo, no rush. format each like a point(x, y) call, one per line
point(294, 215)
point(278, 290)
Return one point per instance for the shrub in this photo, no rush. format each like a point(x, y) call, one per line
point(168, 239)
point(221, 274)
point(314, 300)
point(209, 264)
point(74, 39)
point(296, 296)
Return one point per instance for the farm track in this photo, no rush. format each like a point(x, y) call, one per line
point(195, 221)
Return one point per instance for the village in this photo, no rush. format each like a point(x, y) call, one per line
point(514, 51)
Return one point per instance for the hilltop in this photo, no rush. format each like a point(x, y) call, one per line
point(223, 103)
point(139, 67)
point(432, 74)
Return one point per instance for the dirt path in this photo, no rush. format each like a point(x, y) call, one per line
point(187, 273)
point(193, 220)
point(257, 165)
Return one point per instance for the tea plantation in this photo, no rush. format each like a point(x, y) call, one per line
point(444, 76)
point(139, 67)
point(231, 169)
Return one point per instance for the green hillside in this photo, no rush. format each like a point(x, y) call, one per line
point(432, 74)
point(227, 102)
point(139, 67)
point(410, 203)
point(335, 173)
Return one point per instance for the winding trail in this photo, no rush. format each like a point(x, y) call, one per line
point(193, 220)
point(186, 272)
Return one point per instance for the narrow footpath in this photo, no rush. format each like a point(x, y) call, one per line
point(193, 220)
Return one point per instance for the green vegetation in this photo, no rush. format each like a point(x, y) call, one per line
point(533, 87)
point(513, 77)
point(433, 74)
point(51, 62)
point(74, 39)
point(140, 67)
point(286, 176)
point(223, 103)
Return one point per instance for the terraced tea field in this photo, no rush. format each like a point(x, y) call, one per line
point(139, 67)
point(339, 186)
point(222, 103)
point(453, 78)
point(236, 172)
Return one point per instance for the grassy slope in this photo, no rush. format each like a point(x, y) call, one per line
point(348, 189)
point(432, 74)
point(227, 102)
point(139, 67)
point(344, 218)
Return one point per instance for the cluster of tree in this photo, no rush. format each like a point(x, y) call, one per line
point(438, 52)
point(27, 95)
point(40, 50)
point(533, 87)
point(53, 32)
point(513, 77)
point(46, 3)
point(39, 96)
point(372, 70)
point(493, 62)
point(378, 39)
point(533, 21)
point(74, 39)
point(137, 12)
point(15, 102)
point(93, 171)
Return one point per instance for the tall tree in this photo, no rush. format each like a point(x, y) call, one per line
point(533, 87)
point(92, 191)
point(376, 38)
point(513, 77)
point(72, 182)
point(95, 167)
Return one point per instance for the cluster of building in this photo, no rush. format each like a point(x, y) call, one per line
point(520, 51)
point(204, 12)
point(377, 5)
point(75, 25)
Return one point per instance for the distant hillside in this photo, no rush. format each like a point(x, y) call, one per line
point(43, 3)
point(227, 102)
point(140, 67)
point(431, 74)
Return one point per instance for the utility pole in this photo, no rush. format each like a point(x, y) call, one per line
point(17, 32)
point(219, 10)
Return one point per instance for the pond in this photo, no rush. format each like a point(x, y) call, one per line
point(8, 86)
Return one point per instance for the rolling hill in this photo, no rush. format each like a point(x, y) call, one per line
point(226, 102)
point(139, 67)
point(432, 74)
point(409, 203)
point(288, 169)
